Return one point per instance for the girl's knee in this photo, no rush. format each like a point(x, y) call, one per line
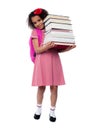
point(41, 88)
point(53, 88)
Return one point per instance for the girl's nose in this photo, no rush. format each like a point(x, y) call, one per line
point(37, 24)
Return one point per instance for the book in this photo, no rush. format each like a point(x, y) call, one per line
point(58, 26)
point(59, 33)
point(51, 20)
point(56, 17)
point(59, 39)
point(64, 47)
point(58, 29)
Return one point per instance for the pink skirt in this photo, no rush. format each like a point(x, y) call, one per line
point(48, 69)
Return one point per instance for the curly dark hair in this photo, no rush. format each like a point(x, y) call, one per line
point(42, 13)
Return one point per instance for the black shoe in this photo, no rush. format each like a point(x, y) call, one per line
point(52, 119)
point(36, 116)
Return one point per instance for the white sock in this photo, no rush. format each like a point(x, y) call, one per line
point(38, 109)
point(52, 111)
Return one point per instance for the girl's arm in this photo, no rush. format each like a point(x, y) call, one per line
point(40, 49)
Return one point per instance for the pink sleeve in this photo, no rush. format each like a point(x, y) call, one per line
point(34, 34)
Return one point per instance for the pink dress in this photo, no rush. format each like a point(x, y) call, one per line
point(47, 68)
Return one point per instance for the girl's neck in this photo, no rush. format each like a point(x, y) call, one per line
point(41, 29)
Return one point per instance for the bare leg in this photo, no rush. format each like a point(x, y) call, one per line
point(53, 99)
point(40, 94)
point(53, 96)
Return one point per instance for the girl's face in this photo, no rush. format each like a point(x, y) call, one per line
point(38, 22)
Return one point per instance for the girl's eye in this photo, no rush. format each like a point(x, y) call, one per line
point(34, 23)
point(39, 20)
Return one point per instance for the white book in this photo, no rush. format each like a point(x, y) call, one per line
point(59, 39)
point(56, 17)
point(59, 33)
point(51, 20)
point(58, 26)
point(64, 43)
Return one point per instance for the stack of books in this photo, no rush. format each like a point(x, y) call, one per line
point(58, 29)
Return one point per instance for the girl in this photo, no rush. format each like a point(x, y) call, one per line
point(47, 65)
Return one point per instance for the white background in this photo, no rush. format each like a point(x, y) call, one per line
point(17, 97)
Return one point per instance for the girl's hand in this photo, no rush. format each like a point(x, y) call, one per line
point(71, 47)
point(68, 48)
point(50, 45)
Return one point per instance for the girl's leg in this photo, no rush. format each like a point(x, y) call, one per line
point(53, 96)
point(53, 99)
point(40, 94)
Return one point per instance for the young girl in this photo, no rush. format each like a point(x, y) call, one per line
point(47, 65)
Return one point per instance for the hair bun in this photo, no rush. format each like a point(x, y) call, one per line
point(38, 11)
